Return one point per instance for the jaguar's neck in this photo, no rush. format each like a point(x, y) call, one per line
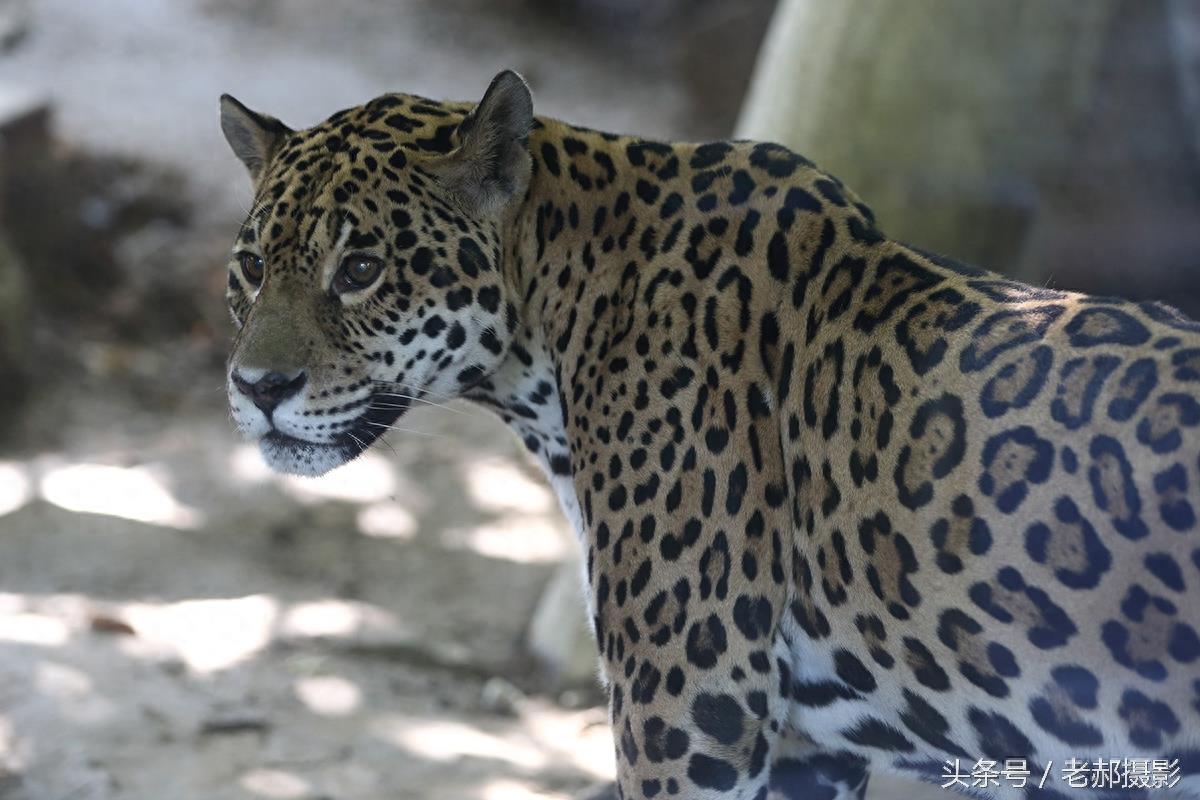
point(617, 235)
point(564, 242)
point(525, 392)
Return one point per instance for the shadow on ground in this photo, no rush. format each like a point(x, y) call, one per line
point(177, 616)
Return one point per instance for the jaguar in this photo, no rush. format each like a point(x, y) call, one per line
point(845, 506)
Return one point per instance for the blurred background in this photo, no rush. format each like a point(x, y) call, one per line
point(177, 622)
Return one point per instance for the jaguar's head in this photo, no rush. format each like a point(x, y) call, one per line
point(368, 273)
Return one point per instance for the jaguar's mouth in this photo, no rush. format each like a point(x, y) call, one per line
point(291, 454)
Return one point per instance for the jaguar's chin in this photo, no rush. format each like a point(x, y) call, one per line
point(296, 456)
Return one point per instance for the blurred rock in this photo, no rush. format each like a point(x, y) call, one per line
point(69, 216)
point(68, 212)
point(500, 697)
point(558, 636)
point(93, 259)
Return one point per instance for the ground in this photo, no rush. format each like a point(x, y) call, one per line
point(251, 636)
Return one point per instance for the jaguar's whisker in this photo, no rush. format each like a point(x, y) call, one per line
point(420, 400)
point(417, 389)
point(413, 431)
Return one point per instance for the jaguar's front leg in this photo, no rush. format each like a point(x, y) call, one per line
point(704, 745)
point(694, 697)
point(799, 771)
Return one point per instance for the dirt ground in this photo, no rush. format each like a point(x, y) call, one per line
point(176, 622)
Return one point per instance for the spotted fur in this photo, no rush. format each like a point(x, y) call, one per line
point(846, 506)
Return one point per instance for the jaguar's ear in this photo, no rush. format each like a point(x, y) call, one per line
point(253, 137)
point(491, 164)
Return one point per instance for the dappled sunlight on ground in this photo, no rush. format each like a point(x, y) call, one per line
point(517, 538)
point(526, 524)
point(549, 738)
point(15, 487)
point(74, 693)
point(515, 790)
point(180, 616)
point(333, 617)
point(130, 492)
point(207, 635)
point(276, 784)
point(328, 695)
point(138, 493)
point(386, 520)
point(501, 486)
point(448, 742)
point(35, 629)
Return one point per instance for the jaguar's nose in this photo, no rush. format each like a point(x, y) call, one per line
point(269, 389)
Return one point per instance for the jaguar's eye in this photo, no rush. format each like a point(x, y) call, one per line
point(252, 268)
point(357, 272)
